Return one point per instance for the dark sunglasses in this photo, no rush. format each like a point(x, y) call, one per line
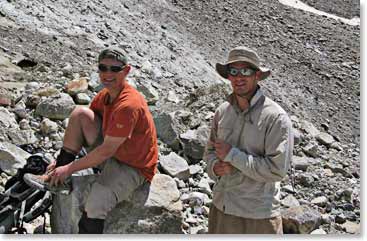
point(244, 71)
point(112, 68)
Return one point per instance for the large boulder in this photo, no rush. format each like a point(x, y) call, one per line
point(166, 130)
point(154, 208)
point(57, 107)
point(300, 219)
point(12, 157)
point(175, 166)
point(194, 142)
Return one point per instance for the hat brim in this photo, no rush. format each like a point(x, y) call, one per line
point(222, 69)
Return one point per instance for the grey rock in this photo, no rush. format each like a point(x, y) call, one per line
point(20, 110)
point(166, 130)
point(12, 157)
point(7, 120)
point(175, 166)
point(311, 149)
point(290, 201)
point(151, 209)
point(325, 139)
point(302, 163)
point(150, 93)
point(194, 142)
point(94, 82)
point(352, 227)
point(297, 135)
point(21, 137)
point(301, 219)
point(318, 231)
point(320, 201)
point(306, 180)
point(172, 97)
point(309, 128)
point(56, 107)
point(47, 126)
point(204, 186)
point(194, 169)
point(196, 199)
point(82, 99)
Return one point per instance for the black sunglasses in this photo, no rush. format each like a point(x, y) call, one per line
point(244, 71)
point(112, 68)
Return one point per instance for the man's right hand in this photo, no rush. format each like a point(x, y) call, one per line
point(222, 168)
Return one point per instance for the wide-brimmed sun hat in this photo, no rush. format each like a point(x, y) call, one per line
point(242, 54)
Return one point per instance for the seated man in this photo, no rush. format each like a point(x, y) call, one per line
point(119, 129)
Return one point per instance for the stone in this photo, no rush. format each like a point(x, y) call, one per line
point(20, 110)
point(21, 137)
point(77, 86)
point(300, 219)
point(318, 231)
point(47, 92)
point(94, 82)
point(325, 139)
point(311, 150)
point(302, 163)
point(297, 135)
point(12, 157)
point(172, 97)
point(150, 93)
point(309, 128)
point(290, 201)
point(47, 126)
point(195, 169)
point(56, 107)
point(320, 201)
point(352, 227)
point(196, 199)
point(306, 180)
point(194, 142)
point(204, 186)
point(175, 166)
point(166, 130)
point(7, 119)
point(82, 99)
point(154, 208)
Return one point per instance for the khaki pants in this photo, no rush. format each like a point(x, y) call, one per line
point(221, 223)
point(116, 183)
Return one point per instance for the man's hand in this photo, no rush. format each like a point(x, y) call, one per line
point(222, 168)
point(59, 174)
point(221, 149)
point(51, 167)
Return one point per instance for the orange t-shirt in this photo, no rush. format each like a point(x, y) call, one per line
point(129, 116)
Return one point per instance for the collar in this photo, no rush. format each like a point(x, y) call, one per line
point(259, 95)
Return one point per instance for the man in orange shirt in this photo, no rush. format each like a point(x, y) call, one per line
point(119, 129)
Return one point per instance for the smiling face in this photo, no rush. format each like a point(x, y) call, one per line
point(243, 86)
point(113, 81)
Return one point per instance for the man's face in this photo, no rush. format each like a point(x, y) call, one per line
point(243, 86)
point(112, 73)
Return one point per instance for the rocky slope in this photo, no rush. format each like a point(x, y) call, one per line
point(173, 47)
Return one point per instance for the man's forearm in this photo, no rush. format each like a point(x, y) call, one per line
point(92, 159)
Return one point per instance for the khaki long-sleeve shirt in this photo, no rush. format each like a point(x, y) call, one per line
point(262, 146)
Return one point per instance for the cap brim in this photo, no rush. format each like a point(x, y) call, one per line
point(222, 70)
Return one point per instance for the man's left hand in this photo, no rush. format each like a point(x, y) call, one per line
point(221, 149)
point(59, 174)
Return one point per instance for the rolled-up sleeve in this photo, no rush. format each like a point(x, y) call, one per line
point(274, 164)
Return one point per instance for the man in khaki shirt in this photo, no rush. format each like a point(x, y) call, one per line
point(249, 151)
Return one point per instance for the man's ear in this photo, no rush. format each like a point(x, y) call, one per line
point(258, 75)
point(127, 69)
